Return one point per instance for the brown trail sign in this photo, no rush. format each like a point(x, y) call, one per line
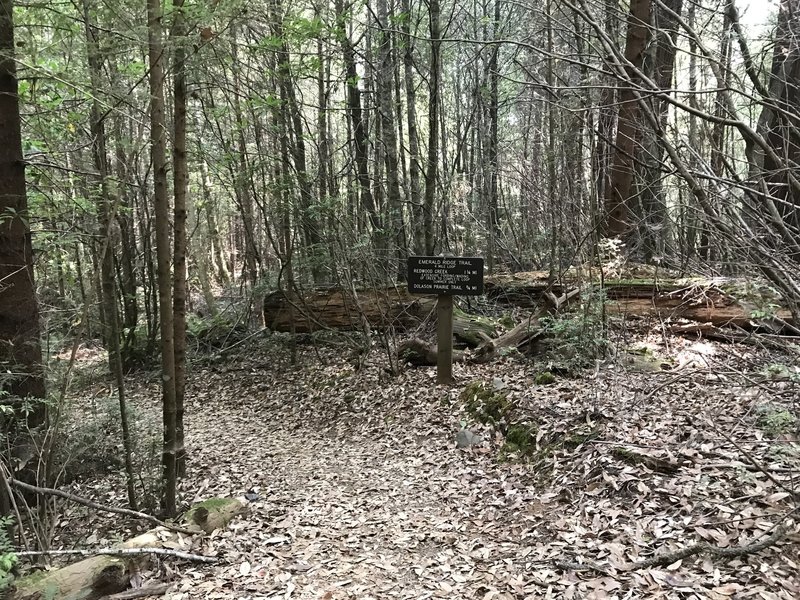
point(445, 276)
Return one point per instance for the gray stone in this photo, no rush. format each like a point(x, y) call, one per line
point(465, 438)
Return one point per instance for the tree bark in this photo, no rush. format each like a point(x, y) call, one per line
point(20, 350)
point(385, 76)
point(618, 207)
point(158, 149)
point(358, 126)
point(180, 171)
point(432, 171)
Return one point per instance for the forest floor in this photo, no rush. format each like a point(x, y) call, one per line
point(362, 492)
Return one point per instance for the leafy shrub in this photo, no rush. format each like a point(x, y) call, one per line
point(575, 339)
point(776, 420)
point(8, 558)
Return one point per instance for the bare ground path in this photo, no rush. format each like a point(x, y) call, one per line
point(374, 506)
point(362, 493)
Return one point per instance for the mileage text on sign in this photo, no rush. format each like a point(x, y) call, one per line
point(445, 275)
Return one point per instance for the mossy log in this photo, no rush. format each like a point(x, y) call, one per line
point(383, 308)
point(719, 304)
point(99, 576)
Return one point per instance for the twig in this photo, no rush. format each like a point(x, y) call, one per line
point(121, 552)
point(94, 505)
point(668, 558)
point(142, 592)
point(223, 351)
point(753, 461)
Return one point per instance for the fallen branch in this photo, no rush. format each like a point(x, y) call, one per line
point(662, 560)
point(94, 505)
point(636, 458)
point(752, 460)
point(122, 552)
point(142, 592)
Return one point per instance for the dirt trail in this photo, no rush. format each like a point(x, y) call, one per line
point(362, 493)
point(370, 514)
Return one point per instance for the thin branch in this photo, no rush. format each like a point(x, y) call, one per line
point(94, 505)
point(122, 552)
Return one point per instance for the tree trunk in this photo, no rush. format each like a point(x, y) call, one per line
point(158, 149)
point(358, 126)
point(106, 212)
point(618, 206)
point(180, 170)
point(654, 224)
point(779, 122)
point(20, 350)
point(385, 82)
point(432, 171)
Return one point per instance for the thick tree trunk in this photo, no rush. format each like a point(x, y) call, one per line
point(358, 126)
point(20, 350)
point(654, 223)
point(618, 206)
point(432, 169)
point(779, 122)
point(99, 576)
point(413, 134)
point(385, 84)
point(381, 308)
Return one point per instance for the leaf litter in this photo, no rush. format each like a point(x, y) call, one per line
point(358, 489)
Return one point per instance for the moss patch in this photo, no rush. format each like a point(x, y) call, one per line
point(776, 420)
point(576, 439)
point(544, 378)
point(484, 404)
point(520, 439)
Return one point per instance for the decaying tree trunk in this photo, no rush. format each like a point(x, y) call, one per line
point(99, 576)
point(383, 308)
point(671, 302)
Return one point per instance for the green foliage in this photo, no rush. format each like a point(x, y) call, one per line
point(575, 339)
point(8, 558)
point(782, 372)
point(776, 420)
point(520, 440)
point(544, 378)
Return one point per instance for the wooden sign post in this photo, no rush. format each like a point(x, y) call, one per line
point(445, 276)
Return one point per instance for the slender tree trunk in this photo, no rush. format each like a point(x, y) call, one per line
point(209, 209)
point(429, 206)
point(491, 153)
point(242, 182)
point(106, 211)
point(158, 149)
point(180, 170)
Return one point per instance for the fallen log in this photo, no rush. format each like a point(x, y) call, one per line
point(383, 308)
point(419, 353)
point(520, 338)
point(99, 576)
